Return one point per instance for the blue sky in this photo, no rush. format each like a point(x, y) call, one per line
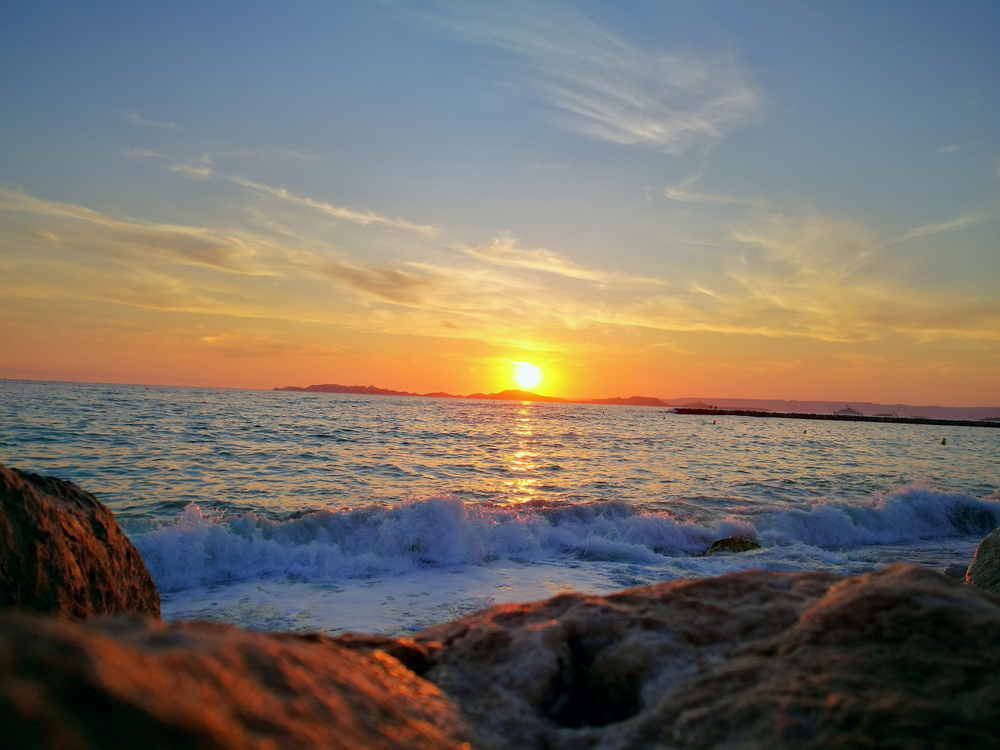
point(771, 199)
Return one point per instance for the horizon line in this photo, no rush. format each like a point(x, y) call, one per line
point(557, 399)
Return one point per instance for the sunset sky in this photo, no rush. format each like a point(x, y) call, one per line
point(771, 199)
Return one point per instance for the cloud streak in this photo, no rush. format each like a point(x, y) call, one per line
point(148, 259)
point(362, 218)
point(505, 252)
point(807, 276)
point(195, 171)
point(137, 119)
point(681, 194)
point(598, 85)
point(959, 223)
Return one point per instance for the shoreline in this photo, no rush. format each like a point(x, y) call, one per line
point(833, 417)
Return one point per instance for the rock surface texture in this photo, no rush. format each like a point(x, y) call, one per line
point(984, 571)
point(135, 682)
point(904, 657)
point(62, 552)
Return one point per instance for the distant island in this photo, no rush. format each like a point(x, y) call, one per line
point(984, 413)
point(511, 395)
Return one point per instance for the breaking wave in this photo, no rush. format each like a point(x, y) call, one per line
point(437, 532)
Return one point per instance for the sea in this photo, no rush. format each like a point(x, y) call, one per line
point(322, 512)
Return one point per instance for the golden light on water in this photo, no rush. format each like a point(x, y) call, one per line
point(527, 375)
point(523, 463)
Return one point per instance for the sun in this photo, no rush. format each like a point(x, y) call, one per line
point(527, 375)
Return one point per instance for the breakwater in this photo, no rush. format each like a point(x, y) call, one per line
point(835, 417)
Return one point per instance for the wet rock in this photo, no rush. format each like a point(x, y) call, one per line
point(62, 552)
point(902, 657)
point(984, 571)
point(732, 544)
point(956, 570)
point(135, 682)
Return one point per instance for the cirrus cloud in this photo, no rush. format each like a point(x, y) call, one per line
point(599, 85)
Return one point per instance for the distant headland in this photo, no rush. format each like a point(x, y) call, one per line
point(511, 395)
point(991, 413)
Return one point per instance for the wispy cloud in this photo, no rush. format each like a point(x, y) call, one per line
point(827, 278)
point(388, 284)
point(152, 255)
point(97, 234)
point(548, 167)
point(199, 169)
point(139, 154)
point(504, 251)
point(599, 85)
point(196, 171)
point(681, 194)
point(136, 118)
point(362, 218)
point(277, 153)
point(961, 221)
point(806, 276)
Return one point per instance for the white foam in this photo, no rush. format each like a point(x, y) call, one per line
point(391, 605)
point(910, 514)
point(407, 602)
point(443, 532)
point(436, 532)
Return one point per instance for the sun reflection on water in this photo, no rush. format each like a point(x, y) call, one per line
point(522, 463)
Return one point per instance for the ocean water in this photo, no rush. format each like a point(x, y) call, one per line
point(300, 511)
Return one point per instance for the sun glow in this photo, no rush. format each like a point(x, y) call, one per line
point(527, 375)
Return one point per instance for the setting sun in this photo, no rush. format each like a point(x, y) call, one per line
point(527, 375)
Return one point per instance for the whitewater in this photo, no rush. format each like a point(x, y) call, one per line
point(332, 512)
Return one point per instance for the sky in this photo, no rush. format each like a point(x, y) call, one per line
point(757, 199)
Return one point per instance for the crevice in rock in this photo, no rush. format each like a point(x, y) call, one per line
point(584, 695)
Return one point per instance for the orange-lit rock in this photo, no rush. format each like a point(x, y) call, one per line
point(62, 552)
point(984, 571)
point(134, 682)
point(904, 657)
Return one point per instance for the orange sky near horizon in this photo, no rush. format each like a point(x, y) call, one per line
point(161, 348)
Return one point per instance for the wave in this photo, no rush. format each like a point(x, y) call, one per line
point(209, 548)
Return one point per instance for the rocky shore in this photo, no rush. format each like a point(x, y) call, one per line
point(901, 657)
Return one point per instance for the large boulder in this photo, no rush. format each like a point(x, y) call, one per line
point(62, 552)
point(135, 682)
point(984, 571)
point(904, 657)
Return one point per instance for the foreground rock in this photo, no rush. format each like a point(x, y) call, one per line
point(904, 657)
point(984, 571)
point(62, 552)
point(134, 682)
point(901, 658)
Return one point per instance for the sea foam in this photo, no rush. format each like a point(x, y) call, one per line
point(438, 532)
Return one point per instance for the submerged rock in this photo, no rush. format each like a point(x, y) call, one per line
point(956, 570)
point(984, 571)
point(135, 682)
point(62, 552)
point(732, 544)
point(902, 657)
